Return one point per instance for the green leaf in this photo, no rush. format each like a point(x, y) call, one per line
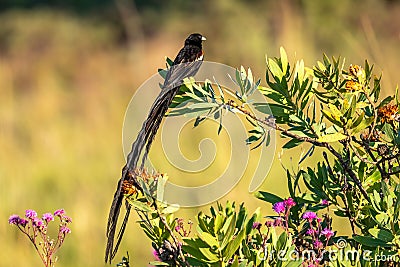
point(203, 105)
point(228, 230)
point(193, 113)
point(252, 139)
point(281, 244)
point(357, 121)
point(370, 241)
point(295, 118)
point(276, 110)
point(210, 255)
point(299, 71)
point(294, 263)
point(335, 111)
point(268, 138)
point(382, 218)
point(235, 263)
point(330, 138)
point(275, 69)
point(192, 247)
point(206, 237)
point(170, 209)
point(388, 130)
point(139, 205)
point(284, 60)
point(268, 197)
point(292, 143)
point(364, 124)
point(158, 263)
point(329, 115)
point(381, 234)
point(372, 179)
point(234, 245)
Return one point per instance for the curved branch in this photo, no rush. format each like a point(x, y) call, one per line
point(271, 123)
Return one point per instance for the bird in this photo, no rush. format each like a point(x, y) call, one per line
point(186, 64)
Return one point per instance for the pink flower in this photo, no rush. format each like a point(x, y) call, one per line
point(279, 207)
point(59, 212)
point(67, 219)
point(309, 215)
point(289, 202)
point(156, 255)
point(310, 231)
point(30, 214)
point(269, 223)
point(47, 217)
point(64, 230)
point(14, 219)
point(23, 222)
point(256, 225)
point(277, 222)
point(38, 223)
point(317, 244)
point(327, 233)
point(325, 202)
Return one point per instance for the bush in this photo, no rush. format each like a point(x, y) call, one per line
point(337, 113)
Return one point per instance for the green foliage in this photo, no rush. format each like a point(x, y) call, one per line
point(337, 112)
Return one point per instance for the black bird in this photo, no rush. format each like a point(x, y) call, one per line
point(186, 64)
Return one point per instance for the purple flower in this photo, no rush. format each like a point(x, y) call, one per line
point(14, 219)
point(59, 212)
point(318, 244)
point(30, 214)
point(177, 228)
point(325, 202)
point(65, 230)
point(289, 202)
point(279, 207)
point(256, 225)
point(47, 217)
point(67, 219)
point(23, 222)
point(327, 233)
point(37, 222)
point(310, 231)
point(278, 222)
point(269, 223)
point(309, 215)
point(156, 255)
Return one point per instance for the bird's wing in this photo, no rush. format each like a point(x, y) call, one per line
point(177, 73)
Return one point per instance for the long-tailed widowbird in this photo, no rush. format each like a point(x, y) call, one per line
point(186, 64)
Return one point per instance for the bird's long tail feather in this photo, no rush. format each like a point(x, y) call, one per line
point(143, 140)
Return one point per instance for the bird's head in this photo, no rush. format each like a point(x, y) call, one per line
point(195, 39)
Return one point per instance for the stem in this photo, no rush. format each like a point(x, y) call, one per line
point(33, 241)
point(163, 220)
point(375, 112)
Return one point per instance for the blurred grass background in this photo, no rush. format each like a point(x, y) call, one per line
point(69, 68)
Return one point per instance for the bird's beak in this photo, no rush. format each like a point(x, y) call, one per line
point(203, 38)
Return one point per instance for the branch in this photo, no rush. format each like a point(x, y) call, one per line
point(351, 218)
point(368, 149)
point(271, 123)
